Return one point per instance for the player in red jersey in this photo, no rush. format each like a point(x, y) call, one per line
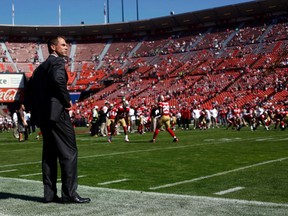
point(284, 122)
point(249, 116)
point(230, 118)
point(269, 116)
point(111, 115)
point(281, 118)
point(202, 120)
point(186, 116)
point(122, 119)
point(277, 118)
point(236, 111)
point(164, 109)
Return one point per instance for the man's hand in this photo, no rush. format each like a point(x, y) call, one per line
point(69, 108)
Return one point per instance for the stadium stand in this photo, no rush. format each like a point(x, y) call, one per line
point(228, 60)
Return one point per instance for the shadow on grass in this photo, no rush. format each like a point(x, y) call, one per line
point(20, 196)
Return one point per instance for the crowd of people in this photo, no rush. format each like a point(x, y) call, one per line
point(109, 118)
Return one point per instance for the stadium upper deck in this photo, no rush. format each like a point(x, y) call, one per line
point(180, 22)
point(233, 53)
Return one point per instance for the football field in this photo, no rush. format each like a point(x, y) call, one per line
point(209, 172)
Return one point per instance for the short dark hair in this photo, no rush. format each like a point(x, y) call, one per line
point(53, 41)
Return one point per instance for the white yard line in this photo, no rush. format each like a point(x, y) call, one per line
point(5, 171)
point(20, 164)
point(216, 174)
point(32, 174)
point(231, 190)
point(112, 182)
point(80, 176)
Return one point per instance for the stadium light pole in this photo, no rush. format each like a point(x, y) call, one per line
point(59, 11)
point(122, 3)
point(137, 10)
point(108, 13)
point(13, 13)
point(105, 14)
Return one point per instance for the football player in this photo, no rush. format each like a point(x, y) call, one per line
point(164, 110)
point(122, 118)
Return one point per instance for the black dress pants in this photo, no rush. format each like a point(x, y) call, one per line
point(59, 143)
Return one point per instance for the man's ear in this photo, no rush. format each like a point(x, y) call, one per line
point(53, 47)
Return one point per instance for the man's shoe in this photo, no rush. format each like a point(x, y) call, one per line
point(153, 141)
point(76, 199)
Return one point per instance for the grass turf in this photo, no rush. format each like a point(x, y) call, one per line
point(202, 163)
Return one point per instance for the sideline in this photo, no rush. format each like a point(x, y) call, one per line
point(24, 198)
point(85, 189)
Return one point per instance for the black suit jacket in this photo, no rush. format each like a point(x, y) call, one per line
point(50, 96)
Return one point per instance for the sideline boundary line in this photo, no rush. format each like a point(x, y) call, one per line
point(206, 198)
point(217, 174)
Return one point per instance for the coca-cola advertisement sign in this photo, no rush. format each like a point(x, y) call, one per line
point(11, 87)
point(9, 95)
point(12, 80)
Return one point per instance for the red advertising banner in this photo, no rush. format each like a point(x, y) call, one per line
point(10, 95)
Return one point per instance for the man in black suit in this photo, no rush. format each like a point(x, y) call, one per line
point(49, 102)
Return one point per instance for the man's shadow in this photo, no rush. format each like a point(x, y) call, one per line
point(4, 195)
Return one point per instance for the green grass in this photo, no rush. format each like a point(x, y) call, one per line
point(210, 161)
